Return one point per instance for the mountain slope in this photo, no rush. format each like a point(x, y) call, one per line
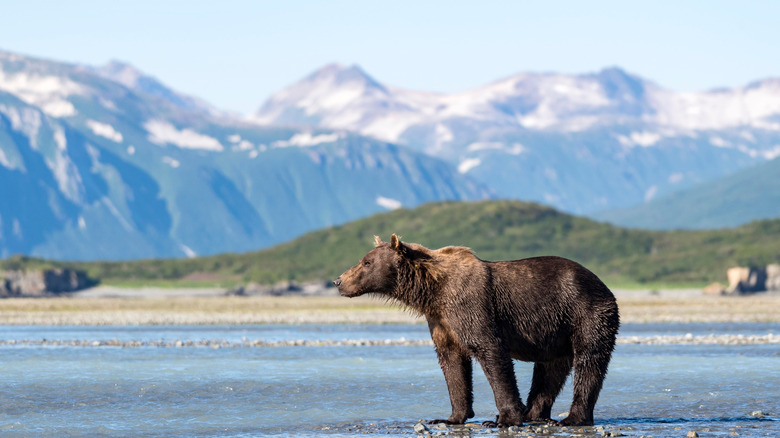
point(746, 195)
point(110, 164)
point(581, 143)
point(139, 82)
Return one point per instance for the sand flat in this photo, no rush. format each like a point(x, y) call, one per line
point(114, 306)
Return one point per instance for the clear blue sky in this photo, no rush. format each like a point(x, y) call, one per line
point(234, 54)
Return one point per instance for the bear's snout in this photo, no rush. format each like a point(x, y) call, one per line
point(337, 282)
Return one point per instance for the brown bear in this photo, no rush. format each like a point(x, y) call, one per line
point(547, 310)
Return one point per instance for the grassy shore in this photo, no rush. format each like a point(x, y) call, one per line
point(635, 306)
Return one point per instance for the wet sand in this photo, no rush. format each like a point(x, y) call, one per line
point(116, 306)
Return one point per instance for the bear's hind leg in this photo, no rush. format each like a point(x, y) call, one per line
point(499, 370)
point(548, 379)
point(589, 373)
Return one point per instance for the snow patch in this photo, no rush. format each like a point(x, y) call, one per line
point(115, 212)
point(747, 135)
point(644, 139)
point(675, 178)
point(235, 138)
point(517, 149)
point(514, 149)
point(58, 108)
point(4, 160)
point(107, 104)
point(390, 127)
point(26, 121)
point(305, 139)
point(483, 145)
point(719, 142)
point(443, 134)
point(171, 162)
point(767, 126)
point(468, 164)
point(188, 251)
point(650, 193)
point(772, 153)
point(388, 203)
point(243, 145)
point(46, 92)
point(67, 176)
point(59, 138)
point(104, 130)
point(162, 132)
point(551, 198)
point(17, 229)
point(752, 153)
point(94, 155)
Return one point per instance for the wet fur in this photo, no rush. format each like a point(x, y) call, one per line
point(547, 310)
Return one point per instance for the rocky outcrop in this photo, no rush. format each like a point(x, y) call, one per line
point(44, 282)
point(773, 277)
point(744, 280)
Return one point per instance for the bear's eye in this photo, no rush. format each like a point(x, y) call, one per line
point(366, 263)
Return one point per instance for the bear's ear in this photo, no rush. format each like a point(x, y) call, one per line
point(397, 245)
point(395, 242)
point(378, 240)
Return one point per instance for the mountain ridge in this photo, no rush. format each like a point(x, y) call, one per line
point(90, 168)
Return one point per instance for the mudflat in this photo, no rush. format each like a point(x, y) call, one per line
point(115, 306)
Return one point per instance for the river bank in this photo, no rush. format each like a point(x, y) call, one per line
point(116, 306)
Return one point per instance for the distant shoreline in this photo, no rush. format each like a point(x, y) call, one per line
point(106, 305)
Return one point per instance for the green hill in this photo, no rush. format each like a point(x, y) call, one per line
point(495, 230)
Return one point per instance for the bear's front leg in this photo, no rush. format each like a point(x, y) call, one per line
point(457, 369)
point(458, 374)
point(499, 370)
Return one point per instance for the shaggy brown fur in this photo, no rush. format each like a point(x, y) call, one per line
point(546, 310)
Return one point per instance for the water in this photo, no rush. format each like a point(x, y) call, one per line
point(659, 390)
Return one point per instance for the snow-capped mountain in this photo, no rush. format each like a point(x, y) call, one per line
point(342, 97)
point(582, 143)
point(108, 163)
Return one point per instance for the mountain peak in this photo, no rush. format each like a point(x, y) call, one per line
point(122, 72)
point(339, 93)
point(618, 82)
point(339, 74)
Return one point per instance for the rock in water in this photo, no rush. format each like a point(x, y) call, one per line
point(758, 414)
point(420, 428)
point(692, 434)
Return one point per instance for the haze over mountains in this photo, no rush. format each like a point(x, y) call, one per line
point(108, 163)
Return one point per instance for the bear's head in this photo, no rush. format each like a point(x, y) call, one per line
point(377, 271)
